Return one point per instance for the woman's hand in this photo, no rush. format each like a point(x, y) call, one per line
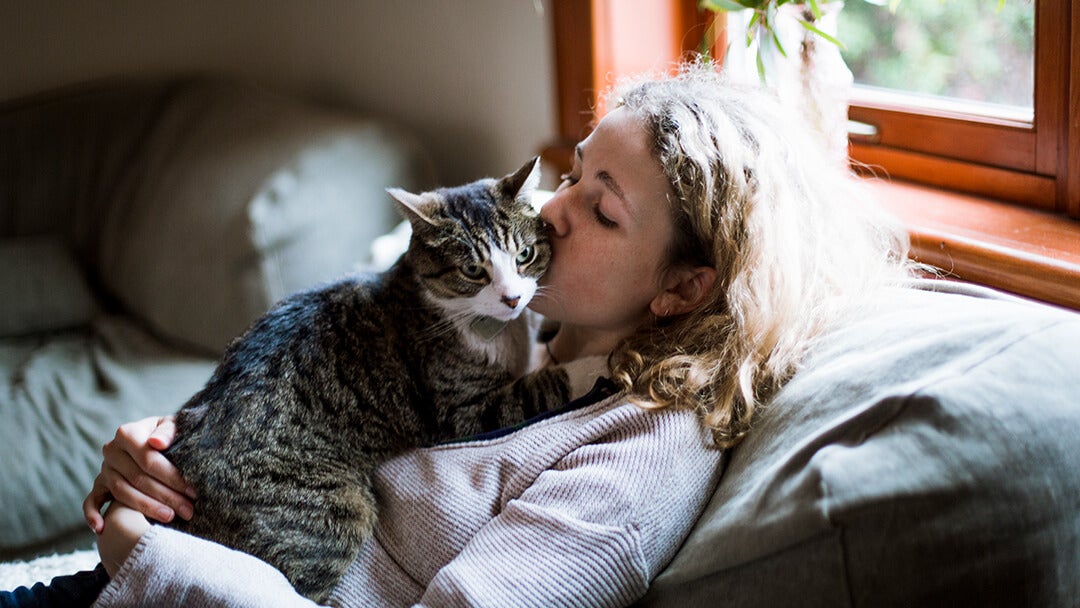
point(136, 473)
point(122, 530)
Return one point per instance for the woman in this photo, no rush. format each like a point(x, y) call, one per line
point(700, 245)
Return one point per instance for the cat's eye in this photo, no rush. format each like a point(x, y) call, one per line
point(472, 271)
point(526, 256)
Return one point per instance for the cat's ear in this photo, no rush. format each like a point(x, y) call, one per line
point(522, 183)
point(412, 206)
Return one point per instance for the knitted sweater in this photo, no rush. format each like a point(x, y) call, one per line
point(582, 508)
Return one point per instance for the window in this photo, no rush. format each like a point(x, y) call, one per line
point(1019, 169)
point(1014, 158)
point(970, 57)
point(597, 40)
point(1009, 150)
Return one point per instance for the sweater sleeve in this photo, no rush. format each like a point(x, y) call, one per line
point(170, 568)
point(594, 529)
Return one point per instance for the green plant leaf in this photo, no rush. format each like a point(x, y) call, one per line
point(776, 41)
point(810, 26)
point(724, 5)
point(765, 12)
point(752, 27)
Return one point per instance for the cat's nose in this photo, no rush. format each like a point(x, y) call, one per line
point(511, 301)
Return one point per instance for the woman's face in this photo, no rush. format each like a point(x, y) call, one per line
point(610, 230)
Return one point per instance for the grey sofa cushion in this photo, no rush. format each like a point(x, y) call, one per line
point(61, 398)
point(66, 155)
point(926, 455)
point(42, 287)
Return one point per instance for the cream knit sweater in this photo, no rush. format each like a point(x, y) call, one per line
point(581, 508)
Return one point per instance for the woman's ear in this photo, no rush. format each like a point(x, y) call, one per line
point(684, 289)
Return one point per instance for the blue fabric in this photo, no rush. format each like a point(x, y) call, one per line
point(75, 590)
point(602, 389)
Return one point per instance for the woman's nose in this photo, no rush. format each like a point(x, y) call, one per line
point(554, 214)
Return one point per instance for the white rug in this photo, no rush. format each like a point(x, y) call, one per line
point(42, 569)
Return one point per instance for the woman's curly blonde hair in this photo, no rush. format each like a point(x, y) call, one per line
point(795, 242)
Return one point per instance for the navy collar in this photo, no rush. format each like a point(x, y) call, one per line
point(604, 388)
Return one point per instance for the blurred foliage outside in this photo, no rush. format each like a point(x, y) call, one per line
point(973, 50)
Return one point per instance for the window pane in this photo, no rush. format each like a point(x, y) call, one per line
point(969, 51)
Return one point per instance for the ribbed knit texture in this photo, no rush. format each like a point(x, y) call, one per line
point(581, 509)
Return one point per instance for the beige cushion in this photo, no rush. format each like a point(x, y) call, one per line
point(242, 197)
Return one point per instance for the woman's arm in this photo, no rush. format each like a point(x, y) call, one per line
point(122, 530)
point(177, 569)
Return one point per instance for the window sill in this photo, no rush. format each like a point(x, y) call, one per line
point(1027, 252)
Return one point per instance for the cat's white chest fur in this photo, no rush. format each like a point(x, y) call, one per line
point(504, 343)
point(510, 347)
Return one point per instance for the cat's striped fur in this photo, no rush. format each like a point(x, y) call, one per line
point(281, 443)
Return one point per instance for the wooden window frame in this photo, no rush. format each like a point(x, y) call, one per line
point(1004, 219)
point(595, 40)
point(1002, 159)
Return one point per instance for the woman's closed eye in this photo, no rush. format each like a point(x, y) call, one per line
point(568, 180)
point(603, 220)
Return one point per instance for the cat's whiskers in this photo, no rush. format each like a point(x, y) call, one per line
point(447, 325)
point(437, 330)
point(549, 293)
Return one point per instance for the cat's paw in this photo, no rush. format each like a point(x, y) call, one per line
point(583, 373)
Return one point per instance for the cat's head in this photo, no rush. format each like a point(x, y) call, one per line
point(479, 249)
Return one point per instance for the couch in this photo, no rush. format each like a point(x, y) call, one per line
point(924, 455)
point(143, 225)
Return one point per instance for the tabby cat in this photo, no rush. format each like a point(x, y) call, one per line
point(281, 443)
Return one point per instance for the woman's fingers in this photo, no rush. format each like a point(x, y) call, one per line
point(126, 481)
point(142, 442)
point(98, 496)
point(136, 473)
point(162, 436)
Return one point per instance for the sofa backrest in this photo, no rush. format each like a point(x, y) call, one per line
point(196, 205)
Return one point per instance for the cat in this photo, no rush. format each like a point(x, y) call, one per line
point(281, 443)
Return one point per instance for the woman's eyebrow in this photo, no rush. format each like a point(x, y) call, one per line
point(608, 181)
point(612, 185)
